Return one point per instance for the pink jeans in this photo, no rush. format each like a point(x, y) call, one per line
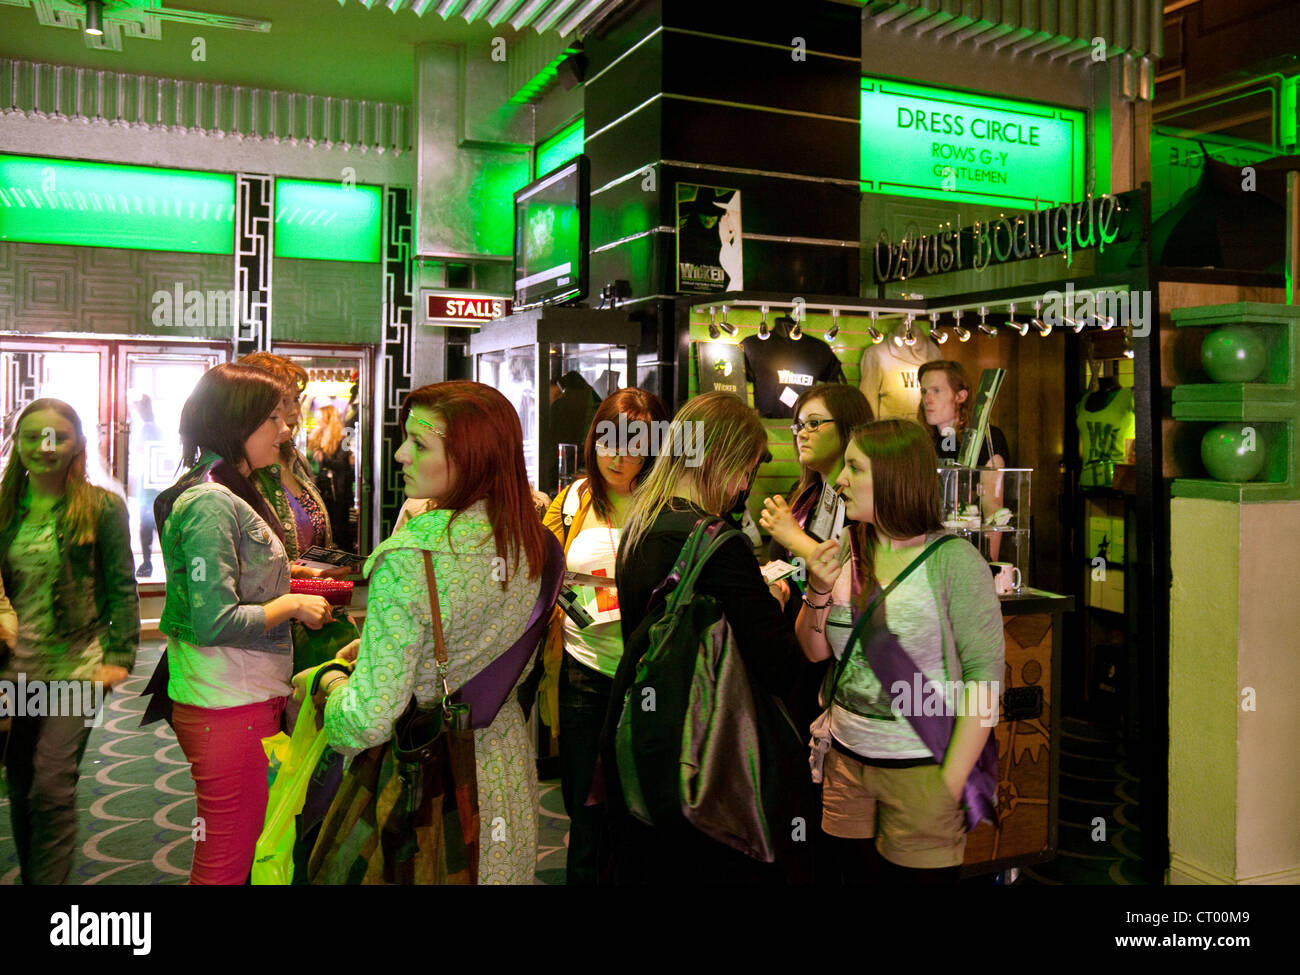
point(224, 747)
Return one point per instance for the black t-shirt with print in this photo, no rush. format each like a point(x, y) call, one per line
point(777, 364)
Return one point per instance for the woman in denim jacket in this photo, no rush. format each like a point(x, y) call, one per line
point(227, 611)
point(65, 559)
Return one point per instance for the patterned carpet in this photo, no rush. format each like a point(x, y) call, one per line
point(135, 802)
point(136, 805)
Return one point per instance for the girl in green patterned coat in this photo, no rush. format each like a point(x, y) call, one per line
point(464, 452)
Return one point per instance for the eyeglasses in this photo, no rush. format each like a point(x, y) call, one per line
point(812, 425)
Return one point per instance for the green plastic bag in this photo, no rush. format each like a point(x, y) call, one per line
point(273, 858)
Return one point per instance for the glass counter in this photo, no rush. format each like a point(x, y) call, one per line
point(991, 508)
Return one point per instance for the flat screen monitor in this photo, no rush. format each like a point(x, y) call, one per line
point(551, 229)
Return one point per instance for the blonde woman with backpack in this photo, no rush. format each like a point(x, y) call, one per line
point(706, 465)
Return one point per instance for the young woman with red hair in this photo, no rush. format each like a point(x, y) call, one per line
point(464, 452)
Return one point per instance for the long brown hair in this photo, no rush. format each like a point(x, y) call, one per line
point(485, 444)
point(728, 438)
point(904, 488)
point(78, 518)
point(637, 405)
point(847, 407)
point(958, 380)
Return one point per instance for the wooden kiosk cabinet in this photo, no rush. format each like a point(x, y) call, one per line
point(1028, 737)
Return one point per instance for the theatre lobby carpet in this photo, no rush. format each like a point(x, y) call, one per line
point(135, 802)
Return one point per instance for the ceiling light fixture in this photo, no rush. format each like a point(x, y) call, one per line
point(962, 334)
point(764, 332)
point(726, 326)
point(1044, 329)
point(95, 18)
point(713, 328)
point(984, 327)
point(876, 335)
point(936, 333)
point(834, 330)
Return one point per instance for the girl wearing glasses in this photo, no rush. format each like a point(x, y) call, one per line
point(824, 415)
point(587, 517)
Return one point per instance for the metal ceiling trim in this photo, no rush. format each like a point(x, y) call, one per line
point(1049, 28)
point(554, 13)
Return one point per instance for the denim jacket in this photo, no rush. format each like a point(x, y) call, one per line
point(223, 563)
point(96, 591)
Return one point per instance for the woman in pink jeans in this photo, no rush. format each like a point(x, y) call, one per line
point(229, 655)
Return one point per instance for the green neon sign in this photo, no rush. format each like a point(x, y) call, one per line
point(943, 145)
point(62, 201)
point(560, 148)
point(328, 221)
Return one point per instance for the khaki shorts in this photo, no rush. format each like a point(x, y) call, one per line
point(910, 812)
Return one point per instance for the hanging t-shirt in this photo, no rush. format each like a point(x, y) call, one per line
point(889, 376)
point(782, 368)
point(594, 551)
point(1102, 434)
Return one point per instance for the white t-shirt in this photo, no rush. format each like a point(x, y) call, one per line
point(889, 380)
point(594, 551)
point(225, 677)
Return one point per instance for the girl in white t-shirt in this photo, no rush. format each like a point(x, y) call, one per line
point(587, 517)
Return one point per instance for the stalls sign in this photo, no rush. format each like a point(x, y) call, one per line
point(464, 308)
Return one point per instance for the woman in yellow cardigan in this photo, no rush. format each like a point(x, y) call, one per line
point(586, 517)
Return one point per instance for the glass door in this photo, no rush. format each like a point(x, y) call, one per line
point(336, 418)
point(155, 381)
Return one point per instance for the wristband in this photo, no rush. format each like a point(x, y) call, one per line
point(819, 592)
point(325, 669)
point(812, 605)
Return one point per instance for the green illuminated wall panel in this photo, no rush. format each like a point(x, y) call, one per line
point(491, 200)
point(943, 145)
point(327, 221)
point(61, 201)
point(560, 148)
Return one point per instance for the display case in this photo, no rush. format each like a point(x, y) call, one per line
point(555, 365)
point(991, 508)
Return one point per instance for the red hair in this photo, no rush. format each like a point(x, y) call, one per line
point(485, 444)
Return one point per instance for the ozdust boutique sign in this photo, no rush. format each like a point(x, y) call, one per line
point(944, 145)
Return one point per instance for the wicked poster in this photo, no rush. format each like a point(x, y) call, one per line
point(709, 255)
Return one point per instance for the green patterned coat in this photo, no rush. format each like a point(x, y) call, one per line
point(480, 622)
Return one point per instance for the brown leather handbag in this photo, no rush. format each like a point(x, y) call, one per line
point(407, 811)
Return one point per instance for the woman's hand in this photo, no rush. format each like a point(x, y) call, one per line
point(778, 521)
point(110, 675)
point(301, 681)
point(313, 611)
point(349, 653)
point(954, 787)
point(780, 591)
point(824, 567)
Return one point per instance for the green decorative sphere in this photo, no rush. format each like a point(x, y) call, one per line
point(1234, 354)
point(1232, 451)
